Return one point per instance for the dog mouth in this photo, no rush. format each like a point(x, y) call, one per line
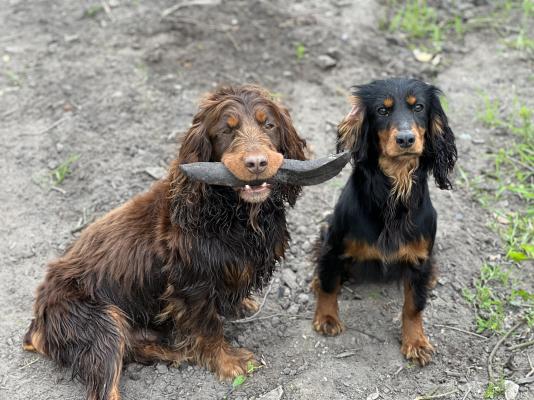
point(408, 154)
point(254, 193)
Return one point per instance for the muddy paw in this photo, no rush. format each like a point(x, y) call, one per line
point(328, 325)
point(249, 305)
point(419, 350)
point(233, 362)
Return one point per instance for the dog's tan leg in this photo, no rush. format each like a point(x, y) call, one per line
point(217, 355)
point(415, 344)
point(326, 319)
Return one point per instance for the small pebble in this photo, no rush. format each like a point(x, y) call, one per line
point(303, 298)
point(325, 62)
point(162, 368)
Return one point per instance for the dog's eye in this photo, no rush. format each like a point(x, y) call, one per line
point(418, 107)
point(226, 130)
point(268, 125)
point(382, 111)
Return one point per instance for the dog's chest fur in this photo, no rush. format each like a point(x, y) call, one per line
point(232, 251)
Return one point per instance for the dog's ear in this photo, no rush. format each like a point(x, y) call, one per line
point(440, 147)
point(293, 147)
point(185, 193)
point(196, 145)
point(352, 131)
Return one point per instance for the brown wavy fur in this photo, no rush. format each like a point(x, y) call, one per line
point(151, 280)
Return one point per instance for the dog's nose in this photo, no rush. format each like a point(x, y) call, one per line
point(405, 139)
point(256, 163)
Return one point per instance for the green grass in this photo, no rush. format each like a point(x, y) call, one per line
point(496, 294)
point(418, 20)
point(422, 24)
point(93, 10)
point(523, 41)
point(300, 51)
point(513, 176)
point(428, 29)
point(64, 169)
point(494, 389)
point(12, 77)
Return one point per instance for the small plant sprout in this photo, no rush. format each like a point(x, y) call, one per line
point(240, 379)
point(300, 51)
point(64, 169)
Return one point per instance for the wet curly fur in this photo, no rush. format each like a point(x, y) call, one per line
point(152, 279)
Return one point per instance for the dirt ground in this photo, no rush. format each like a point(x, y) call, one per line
point(116, 87)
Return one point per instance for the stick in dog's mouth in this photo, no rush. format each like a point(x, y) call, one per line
point(292, 172)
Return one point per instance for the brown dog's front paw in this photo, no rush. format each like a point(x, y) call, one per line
point(419, 350)
point(233, 362)
point(328, 325)
point(249, 305)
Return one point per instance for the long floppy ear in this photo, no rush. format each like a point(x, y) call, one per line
point(292, 146)
point(352, 131)
point(441, 148)
point(186, 194)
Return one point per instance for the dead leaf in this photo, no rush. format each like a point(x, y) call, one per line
point(374, 396)
point(436, 60)
point(422, 56)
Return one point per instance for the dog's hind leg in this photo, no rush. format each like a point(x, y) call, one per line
point(98, 363)
point(92, 339)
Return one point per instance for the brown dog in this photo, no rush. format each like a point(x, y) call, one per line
point(150, 280)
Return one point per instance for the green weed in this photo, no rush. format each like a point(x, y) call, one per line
point(418, 20)
point(513, 173)
point(496, 293)
point(64, 169)
point(13, 78)
point(488, 297)
point(240, 379)
point(93, 10)
point(422, 23)
point(494, 389)
point(300, 51)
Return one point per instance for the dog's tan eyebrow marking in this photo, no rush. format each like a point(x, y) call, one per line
point(232, 121)
point(411, 99)
point(261, 116)
point(388, 102)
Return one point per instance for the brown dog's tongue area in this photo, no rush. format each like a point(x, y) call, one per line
point(293, 172)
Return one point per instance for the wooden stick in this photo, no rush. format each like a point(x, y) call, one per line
point(497, 345)
point(466, 393)
point(462, 330)
point(436, 396)
point(248, 319)
point(522, 345)
point(30, 363)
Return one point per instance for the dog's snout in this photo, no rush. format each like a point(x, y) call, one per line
point(405, 139)
point(256, 163)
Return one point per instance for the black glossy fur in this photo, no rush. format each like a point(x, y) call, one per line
point(368, 210)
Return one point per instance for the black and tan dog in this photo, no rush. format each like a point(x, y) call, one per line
point(384, 224)
point(152, 279)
